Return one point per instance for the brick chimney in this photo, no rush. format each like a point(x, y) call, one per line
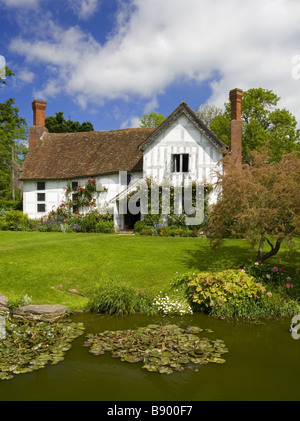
point(38, 129)
point(235, 96)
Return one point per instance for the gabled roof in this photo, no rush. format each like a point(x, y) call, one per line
point(183, 108)
point(75, 155)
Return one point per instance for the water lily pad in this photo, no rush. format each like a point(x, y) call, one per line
point(161, 349)
point(29, 346)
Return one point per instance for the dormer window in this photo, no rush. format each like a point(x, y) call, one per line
point(180, 162)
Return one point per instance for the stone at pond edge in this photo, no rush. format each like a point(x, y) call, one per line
point(44, 312)
point(3, 304)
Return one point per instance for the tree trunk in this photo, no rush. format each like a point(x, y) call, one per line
point(260, 249)
point(273, 251)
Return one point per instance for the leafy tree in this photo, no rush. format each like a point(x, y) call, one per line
point(208, 112)
point(259, 202)
point(151, 120)
point(264, 125)
point(13, 129)
point(58, 124)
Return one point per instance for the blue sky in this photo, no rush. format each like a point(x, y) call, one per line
point(111, 61)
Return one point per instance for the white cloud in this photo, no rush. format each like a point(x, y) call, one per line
point(84, 8)
point(232, 43)
point(25, 75)
point(20, 3)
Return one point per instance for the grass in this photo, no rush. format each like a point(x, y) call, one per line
point(33, 263)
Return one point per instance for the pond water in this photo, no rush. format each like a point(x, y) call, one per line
point(263, 364)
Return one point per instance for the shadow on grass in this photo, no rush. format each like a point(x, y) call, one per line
point(231, 255)
point(234, 254)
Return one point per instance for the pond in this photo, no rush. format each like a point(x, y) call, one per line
point(263, 364)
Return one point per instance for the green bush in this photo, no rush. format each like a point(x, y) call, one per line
point(106, 227)
point(18, 301)
point(8, 205)
point(139, 225)
point(234, 293)
point(265, 272)
point(14, 221)
point(112, 297)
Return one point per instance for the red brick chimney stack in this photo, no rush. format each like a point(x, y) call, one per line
point(236, 125)
point(39, 108)
point(38, 129)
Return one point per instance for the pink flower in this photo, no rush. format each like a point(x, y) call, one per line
point(269, 294)
point(288, 285)
point(282, 268)
point(275, 269)
point(288, 278)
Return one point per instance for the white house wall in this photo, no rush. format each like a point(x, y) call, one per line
point(55, 193)
point(182, 137)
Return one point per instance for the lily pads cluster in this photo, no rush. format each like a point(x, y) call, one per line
point(30, 346)
point(159, 348)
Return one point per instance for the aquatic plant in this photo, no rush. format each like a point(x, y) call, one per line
point(29, 346)
point(161, 349)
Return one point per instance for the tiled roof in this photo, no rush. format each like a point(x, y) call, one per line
point(75, 155)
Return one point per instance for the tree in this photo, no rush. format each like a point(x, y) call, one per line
point(58, 124)
point(151, 120)
point(208, 112)
point(264, 125)
point(13, 129)
point(259, 202)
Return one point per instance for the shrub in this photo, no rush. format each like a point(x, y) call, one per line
point(10, 205)
point(234, 293)
point(139, 225)
point(18, 301)
point(265, 272)
point(112, 297)
point(105, 227)
point(13, 221)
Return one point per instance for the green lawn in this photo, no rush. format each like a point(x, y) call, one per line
point(32, 262)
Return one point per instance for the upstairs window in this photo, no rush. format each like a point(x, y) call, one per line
point(180, 162)
point(41, 185)
point(74, 185)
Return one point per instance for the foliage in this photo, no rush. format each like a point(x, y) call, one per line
point(258, 202)
point(113, 297)
point(234, 293)
point(13, 221)
point(13, 129)
point(207, 290)
point(162, 230)
point(32, 345)
point(4, 74)
point(10, 205)
point(151, 120)
point(161, 348)
point(267, 273)
point(208, 112)
point(173, 223)
point(264, 125)
point(18, 301)
point(58, 124)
